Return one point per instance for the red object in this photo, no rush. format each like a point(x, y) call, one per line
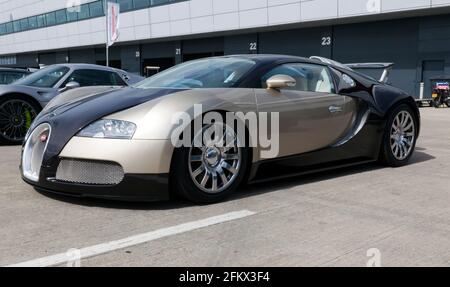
point(43, 138)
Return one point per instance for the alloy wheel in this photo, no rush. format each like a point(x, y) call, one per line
point(215, 164)
point(16, 117)
point(402, 135)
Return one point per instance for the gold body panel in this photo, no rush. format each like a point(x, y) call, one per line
point(306, 124)
point(135, 156)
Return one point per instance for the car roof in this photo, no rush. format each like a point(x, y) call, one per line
point(272, 58)
point(89, 66)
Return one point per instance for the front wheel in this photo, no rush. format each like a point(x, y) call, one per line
point(400, 137)
point(16, 116)
point(211, 171)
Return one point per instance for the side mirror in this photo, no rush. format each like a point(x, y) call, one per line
point(70, 86)
point(346, 83)
point(280, 82)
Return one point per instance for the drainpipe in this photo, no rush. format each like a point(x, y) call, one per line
point(422, 89)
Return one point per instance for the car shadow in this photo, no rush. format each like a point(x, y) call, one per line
point(116, 204)
point(247, 191)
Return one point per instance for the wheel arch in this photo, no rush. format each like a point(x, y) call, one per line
point(251, 151)
point(22, 96)
point(385, 155)
point(409, 101)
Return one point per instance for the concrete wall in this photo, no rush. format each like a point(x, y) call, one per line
point(387, 41)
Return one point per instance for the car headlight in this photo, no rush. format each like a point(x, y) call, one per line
point(109, 129)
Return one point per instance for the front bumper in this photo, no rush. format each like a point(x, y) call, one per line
point(134, 187)
point(145, 168)
point(135, 156)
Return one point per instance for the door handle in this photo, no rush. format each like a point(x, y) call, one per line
point(335, 109)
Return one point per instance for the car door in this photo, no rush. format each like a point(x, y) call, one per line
point(312, 116)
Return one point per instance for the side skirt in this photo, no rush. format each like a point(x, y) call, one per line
point(274, 174)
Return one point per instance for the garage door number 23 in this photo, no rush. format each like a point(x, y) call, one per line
point(326, 41)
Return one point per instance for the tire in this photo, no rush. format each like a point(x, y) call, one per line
point(16, 115)
point(190, 167)
point(447, 103)
point(437, 103)
point(399, 143)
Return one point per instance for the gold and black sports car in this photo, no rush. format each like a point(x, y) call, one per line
point(118, 143)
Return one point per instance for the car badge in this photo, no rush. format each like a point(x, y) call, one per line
point(43, 138)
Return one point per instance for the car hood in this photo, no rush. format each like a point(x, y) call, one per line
point(75, 95)
point(100, 101)
point(69, 117)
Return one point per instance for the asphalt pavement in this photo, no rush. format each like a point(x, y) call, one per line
point(346, 217)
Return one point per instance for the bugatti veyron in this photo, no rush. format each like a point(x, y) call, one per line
point(117, 142)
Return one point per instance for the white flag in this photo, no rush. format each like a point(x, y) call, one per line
point(113, 22)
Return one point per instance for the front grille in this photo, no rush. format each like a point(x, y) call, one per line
point(89, 172)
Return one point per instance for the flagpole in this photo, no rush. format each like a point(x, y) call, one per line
point(107, 34)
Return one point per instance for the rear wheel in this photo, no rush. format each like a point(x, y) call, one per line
point(400, 137)
point(447, 103)
point(16, 116)
point(209, 171)
point(437, 103)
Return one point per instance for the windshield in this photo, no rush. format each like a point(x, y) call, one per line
point(45, 78)
point(205, 73)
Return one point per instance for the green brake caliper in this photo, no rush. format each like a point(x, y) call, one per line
point(28, 119)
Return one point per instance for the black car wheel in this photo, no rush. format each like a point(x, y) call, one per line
point(447, 103)
point(437, 103)
point(400, 137)
point(16, 116)
point(209, 172)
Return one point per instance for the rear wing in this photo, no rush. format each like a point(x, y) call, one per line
point(387, 67)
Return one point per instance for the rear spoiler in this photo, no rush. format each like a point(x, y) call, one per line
point(387, 67)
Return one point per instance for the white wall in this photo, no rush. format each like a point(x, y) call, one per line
point(184, 18)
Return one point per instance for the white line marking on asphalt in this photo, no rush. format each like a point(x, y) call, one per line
point(136, 240)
